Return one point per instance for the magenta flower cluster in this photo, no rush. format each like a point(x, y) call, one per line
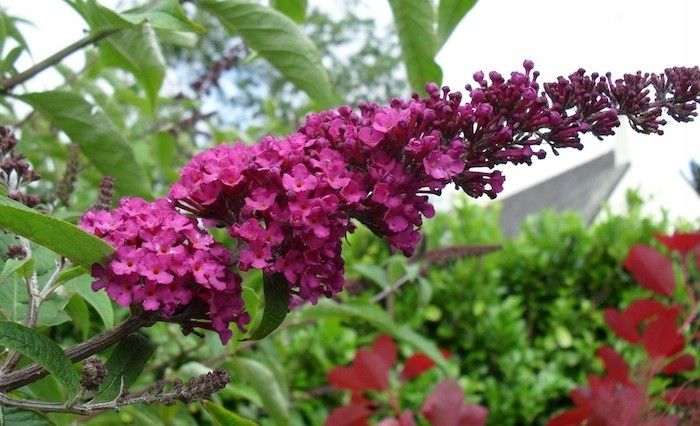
point(289, 201)
point(164, 262)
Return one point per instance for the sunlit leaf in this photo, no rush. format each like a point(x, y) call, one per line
point(99, 300)
point(62, 237)
point(449, 13)
point(277, 38)
point(295, 9)
point(415, 25)
point(263, 381)
point(88, 127)
point(224, 417)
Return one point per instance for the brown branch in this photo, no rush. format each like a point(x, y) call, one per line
point(78, 352)
point(8, 84)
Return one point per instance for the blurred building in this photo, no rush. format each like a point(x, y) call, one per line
point(603, 182)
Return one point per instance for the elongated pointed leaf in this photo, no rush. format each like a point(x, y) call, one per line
point(415, 25)
point(62, 237)
point(295, 9)
point(224, 417)
point(99, 300)
point(133, 48)
point(164, 15)
point(276, 305)
point(450, 12)
point(14, 265)
point(277, 38)
point(124, 366)
point(41, 350)
point(88, 127)
point(651, 269)
point(137, 50)
point(78, 311)
point(263, 381)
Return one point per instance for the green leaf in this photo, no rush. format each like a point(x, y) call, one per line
point(16, 265)
point(124, 366)
point(295, 9)
point(374, 273)
point(88, 127)
point(137, 50)
point(52, 312)
point(279, 40)
point(41, 350)
point(70, 273)
point(68, 240)
point(10, 416)
point(164, 152)
point(14, 304)
point(276, 291)
point(177, 38)
point(415, 25)
point(134, 48)
point(224, 417)
point(14, 300)
point(379, 319)
point(97, 299)
point(78, 311)
point(263, 381)
point(450, 12)
point(8, 61)
point(165, 15)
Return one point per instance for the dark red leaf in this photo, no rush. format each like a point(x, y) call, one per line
point(573, 417)
point(621, 325)
point(682, 396)
point(416, 365)
point(651, 269)
point(661, 337)
point(682, 363)
point(445, 406)
point(386, 349)
point(662, 421)
point(405, 419)
point(372, 370)
point(472, 415)
point(643, 309)
point(356, 398)
point(369, 370)
point(612, 403)
point(349, 415)
point(615, 365)
point(345, 378)
point(680, 242)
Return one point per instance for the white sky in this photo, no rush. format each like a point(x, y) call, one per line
point(559, 35)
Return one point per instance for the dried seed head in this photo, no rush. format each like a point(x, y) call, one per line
point(94, 373)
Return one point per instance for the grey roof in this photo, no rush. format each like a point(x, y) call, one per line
point(583, 189)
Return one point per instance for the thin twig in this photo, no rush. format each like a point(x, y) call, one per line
point(52, 283)
point(8, 84)
point(392, 288)
point(82, 409)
